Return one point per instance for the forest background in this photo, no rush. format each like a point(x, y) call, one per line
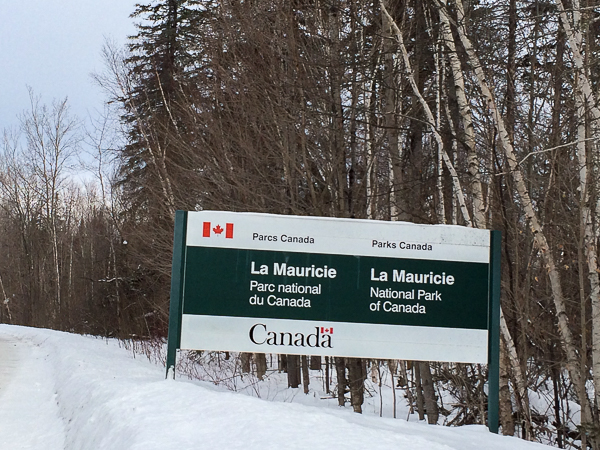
point(482, 113)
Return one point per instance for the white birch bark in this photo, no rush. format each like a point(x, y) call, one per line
point(370, 159)
point(438, 121)
point(453, 213)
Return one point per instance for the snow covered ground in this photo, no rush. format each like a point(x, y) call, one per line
point(64, 391)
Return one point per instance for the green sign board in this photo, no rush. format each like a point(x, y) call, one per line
point(335, 288)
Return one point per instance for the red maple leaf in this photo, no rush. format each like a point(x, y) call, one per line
point(218, 229)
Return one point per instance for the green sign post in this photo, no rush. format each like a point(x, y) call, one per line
point(335, 287)
point(177, 276)
point(494, 336)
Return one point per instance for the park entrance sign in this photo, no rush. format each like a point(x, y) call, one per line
point(334, 287)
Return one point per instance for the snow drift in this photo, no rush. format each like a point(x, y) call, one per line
point(59, 390)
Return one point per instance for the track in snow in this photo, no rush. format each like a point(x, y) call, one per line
point(29, 415)
point(9, 360)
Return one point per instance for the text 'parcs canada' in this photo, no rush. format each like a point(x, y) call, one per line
point(283, 238)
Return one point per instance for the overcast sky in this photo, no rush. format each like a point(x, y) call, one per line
point(53, 46)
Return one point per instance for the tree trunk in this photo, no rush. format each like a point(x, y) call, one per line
point(293, 371)
point(305, 375)
point(282, 364)
point(419, 389)
point(522, 394)
point(431, 406)
point(340, 372)
point(315, 363)
point(393, 366)
point(260, 359)
point(245, 359)
point(505, 405)
point(556, 388)
point(356, 381)
point(327, 389)
point(398, 202)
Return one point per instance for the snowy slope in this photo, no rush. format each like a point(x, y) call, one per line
point(59, 390)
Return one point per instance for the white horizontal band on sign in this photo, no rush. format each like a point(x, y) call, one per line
point(253, 231)
point(218, 333)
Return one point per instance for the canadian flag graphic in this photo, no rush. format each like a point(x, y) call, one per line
point(208, 230)
point(326, 330)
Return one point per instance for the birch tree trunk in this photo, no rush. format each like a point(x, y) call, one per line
point(356, 382)
point(439, 82)
point(305, 374)
point(342, 382)
point(431, 406)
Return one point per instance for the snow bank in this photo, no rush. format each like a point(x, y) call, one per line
point(106, 399)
